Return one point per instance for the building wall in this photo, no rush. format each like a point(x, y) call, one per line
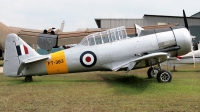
point(112, 23)
point(195, 31)
point(196, 15)
point(171, 20)
point(147, 21)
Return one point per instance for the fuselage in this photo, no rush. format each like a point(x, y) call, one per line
point(105, 50)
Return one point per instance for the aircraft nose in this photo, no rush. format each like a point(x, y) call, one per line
point(183, 39)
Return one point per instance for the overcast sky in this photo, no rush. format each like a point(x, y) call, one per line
point(40, 14)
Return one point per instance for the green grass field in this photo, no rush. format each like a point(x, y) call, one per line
point(103, 91)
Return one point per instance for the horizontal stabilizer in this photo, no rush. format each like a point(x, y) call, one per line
point(31, 60)
point(35, 59)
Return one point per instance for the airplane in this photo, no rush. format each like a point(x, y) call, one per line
point(110, 50)
point(184, 59)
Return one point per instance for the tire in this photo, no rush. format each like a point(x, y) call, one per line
point(164, 76)
point(28, 79)
point(152, 74)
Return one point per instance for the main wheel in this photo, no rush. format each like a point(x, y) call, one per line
point(152, 72)
point(164, 76)
point(28, 79)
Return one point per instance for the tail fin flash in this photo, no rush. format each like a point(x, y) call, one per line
point(16, 50)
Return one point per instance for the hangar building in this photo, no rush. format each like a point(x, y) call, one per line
point(148, 20)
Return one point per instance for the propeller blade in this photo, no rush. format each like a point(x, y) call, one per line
point(185, 20)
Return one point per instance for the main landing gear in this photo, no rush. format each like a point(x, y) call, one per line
point(152, 72)
point(28, 79)
point(164, 76)
point(161, 75)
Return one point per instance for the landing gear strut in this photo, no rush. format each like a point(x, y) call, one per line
point(28, 79)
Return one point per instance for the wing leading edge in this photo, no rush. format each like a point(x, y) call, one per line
point(141, 62)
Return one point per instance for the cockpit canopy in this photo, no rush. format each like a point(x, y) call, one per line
point(107, 36)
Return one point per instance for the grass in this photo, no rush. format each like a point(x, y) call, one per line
point(103, 91)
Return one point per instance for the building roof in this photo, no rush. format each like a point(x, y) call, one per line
point(98, 20)
point(196, 15)
point(169, 16)
point(192, 17)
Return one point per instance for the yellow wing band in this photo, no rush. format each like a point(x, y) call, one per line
point(57, 64)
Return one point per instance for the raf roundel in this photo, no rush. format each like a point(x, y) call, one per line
point(88, 59)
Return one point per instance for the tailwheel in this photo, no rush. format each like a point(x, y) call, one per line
point(152, 72)
point(164, 76)
point(28, 79)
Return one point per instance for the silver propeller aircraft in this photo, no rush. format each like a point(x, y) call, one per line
point(184, 59)
point(110, 50)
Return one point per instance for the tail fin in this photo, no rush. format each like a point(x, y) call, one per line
point(16, 50)
point(138, 29)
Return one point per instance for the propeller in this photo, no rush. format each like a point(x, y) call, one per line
point(186, 25)
point(185, 20)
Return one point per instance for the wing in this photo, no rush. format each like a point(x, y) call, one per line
point(143, 61)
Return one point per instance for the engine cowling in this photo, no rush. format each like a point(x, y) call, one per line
point(175, 40)
point(183, 39)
